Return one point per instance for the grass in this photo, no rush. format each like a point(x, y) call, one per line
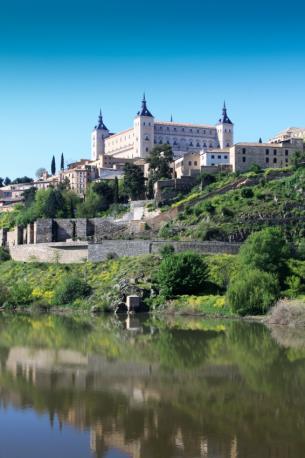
point(204, 305)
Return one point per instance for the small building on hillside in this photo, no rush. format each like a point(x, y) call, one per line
point(187, 166)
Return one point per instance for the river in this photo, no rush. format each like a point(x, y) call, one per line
point(150, 387)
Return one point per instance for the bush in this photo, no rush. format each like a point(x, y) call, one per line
point(209, 208)
point(4, 294)
point(167, 250)
point(182, 273)
point(266, 250)
point(247, 193)
point(69, 289)
point(4, 254)
point(20, 294)
point(253, 292)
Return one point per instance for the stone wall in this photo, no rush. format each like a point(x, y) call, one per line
point(64, 253)
point(76, 252)
point(100, 251)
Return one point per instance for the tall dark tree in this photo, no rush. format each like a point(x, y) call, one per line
point(159, 161)
point(7, 181)
point(1, 182)
point(116, 190)
point(29, 196)
point(53, 166)
point(134, 181)
point(62, 162)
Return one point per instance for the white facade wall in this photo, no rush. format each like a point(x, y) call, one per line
point(210, 158)
point(121, 144)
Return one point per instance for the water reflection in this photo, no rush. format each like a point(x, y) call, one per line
point(155, 387)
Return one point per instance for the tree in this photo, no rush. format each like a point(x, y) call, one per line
point(1, 182)
point(182, 273)
point(134, 181)
point(40, 172)
point(266, 250)
point(298, 159)
point(7, 181)
point(53, 166)
point(116, 190)
point(159, 161)
point(252, 292)
point(62, 162)
point(24, 179)
point(29, 196)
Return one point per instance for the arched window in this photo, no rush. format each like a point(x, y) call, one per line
point(175, 143)
point(160, 142)
point(168, 142)
point(191, 143)
point(198, 145)
point(147, 138)
point(204, 145)
point(211, 146)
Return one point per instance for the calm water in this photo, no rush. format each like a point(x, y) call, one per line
point(85, 387)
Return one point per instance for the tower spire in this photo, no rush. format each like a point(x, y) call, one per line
point(225, 118)
point(144, 110)
point(100, 122)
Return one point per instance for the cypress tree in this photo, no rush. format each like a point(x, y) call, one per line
point(53, 166)
point(62, 162)
point(116, 190)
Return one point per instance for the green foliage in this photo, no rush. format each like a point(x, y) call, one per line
point(69, 289)
point(182, 273)
point(252, 292)
point(53, 166)
point(167, 250)
point(255, 168)
point(20, 294)
point(265, 250)
point(4, 254)
point(159, 161)
point(247, 193)
point(4, 294)
point(134, 181)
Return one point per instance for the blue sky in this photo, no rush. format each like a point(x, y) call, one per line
point(61, 61)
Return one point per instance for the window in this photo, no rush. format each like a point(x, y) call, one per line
point(191, 130)
point(244, 159)
point(212, 156)
point(143, 123)
point(146, 149)
point(286, 152)
point(195, 162)
point(190, 162)
point(225, 157)
point(182, 129)
point(244, 151)
point(267, 152)
point(175, 129)
point(219, 157)
point(212, 164)
point(147, 138)
point(267, 160)
point(160, 127)
point(286, 159)
point(274, 160)
point(204, 145)
point(191, 143)
point(274, 152)
point(167, 128)
point(197, 131)
point(198, 144)
point(160, 142)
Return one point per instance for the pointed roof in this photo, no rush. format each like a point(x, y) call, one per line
point(100, 123)
point(225, 118)
point(144, 110)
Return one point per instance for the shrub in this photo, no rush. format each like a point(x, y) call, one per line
point(69, 289)
point(266, 250)
point(4, 254)
point(227, 212)
point(209, 208)
point(4, 294)
point(20, 294)
point(182, 273)
point(247, 193)
point(253, 292)
point(167, 250)
point(213, 233)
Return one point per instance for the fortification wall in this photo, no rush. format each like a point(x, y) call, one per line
point(64, 253)
point(76, 252)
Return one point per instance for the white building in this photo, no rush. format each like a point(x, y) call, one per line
point(215, 157)
point(139, 140)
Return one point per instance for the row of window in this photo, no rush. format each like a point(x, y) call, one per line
point(198, 131)
point(175, 143)
point(244, 150)
point(267, 160)
point(219, 156)
point(189, 163)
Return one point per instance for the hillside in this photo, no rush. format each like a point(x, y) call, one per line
point(230, 210)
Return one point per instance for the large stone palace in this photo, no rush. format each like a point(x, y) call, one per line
point(147, 132)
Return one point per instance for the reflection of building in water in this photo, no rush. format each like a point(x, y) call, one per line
point(131, 395)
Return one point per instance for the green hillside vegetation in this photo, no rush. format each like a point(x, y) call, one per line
point(232, 216)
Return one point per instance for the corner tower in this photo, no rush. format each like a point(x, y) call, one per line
point(225, 129)
point(99, 133)
point(143, 131)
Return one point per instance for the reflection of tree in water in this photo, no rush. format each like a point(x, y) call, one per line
point(221, 391)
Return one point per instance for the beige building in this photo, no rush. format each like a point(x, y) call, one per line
point(265, 155)
point(295, 133)
point(147, 132)
point(188, 165)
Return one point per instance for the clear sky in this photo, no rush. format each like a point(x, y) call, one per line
point(61, 61)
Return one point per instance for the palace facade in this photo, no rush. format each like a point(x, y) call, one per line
point(139, 140)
